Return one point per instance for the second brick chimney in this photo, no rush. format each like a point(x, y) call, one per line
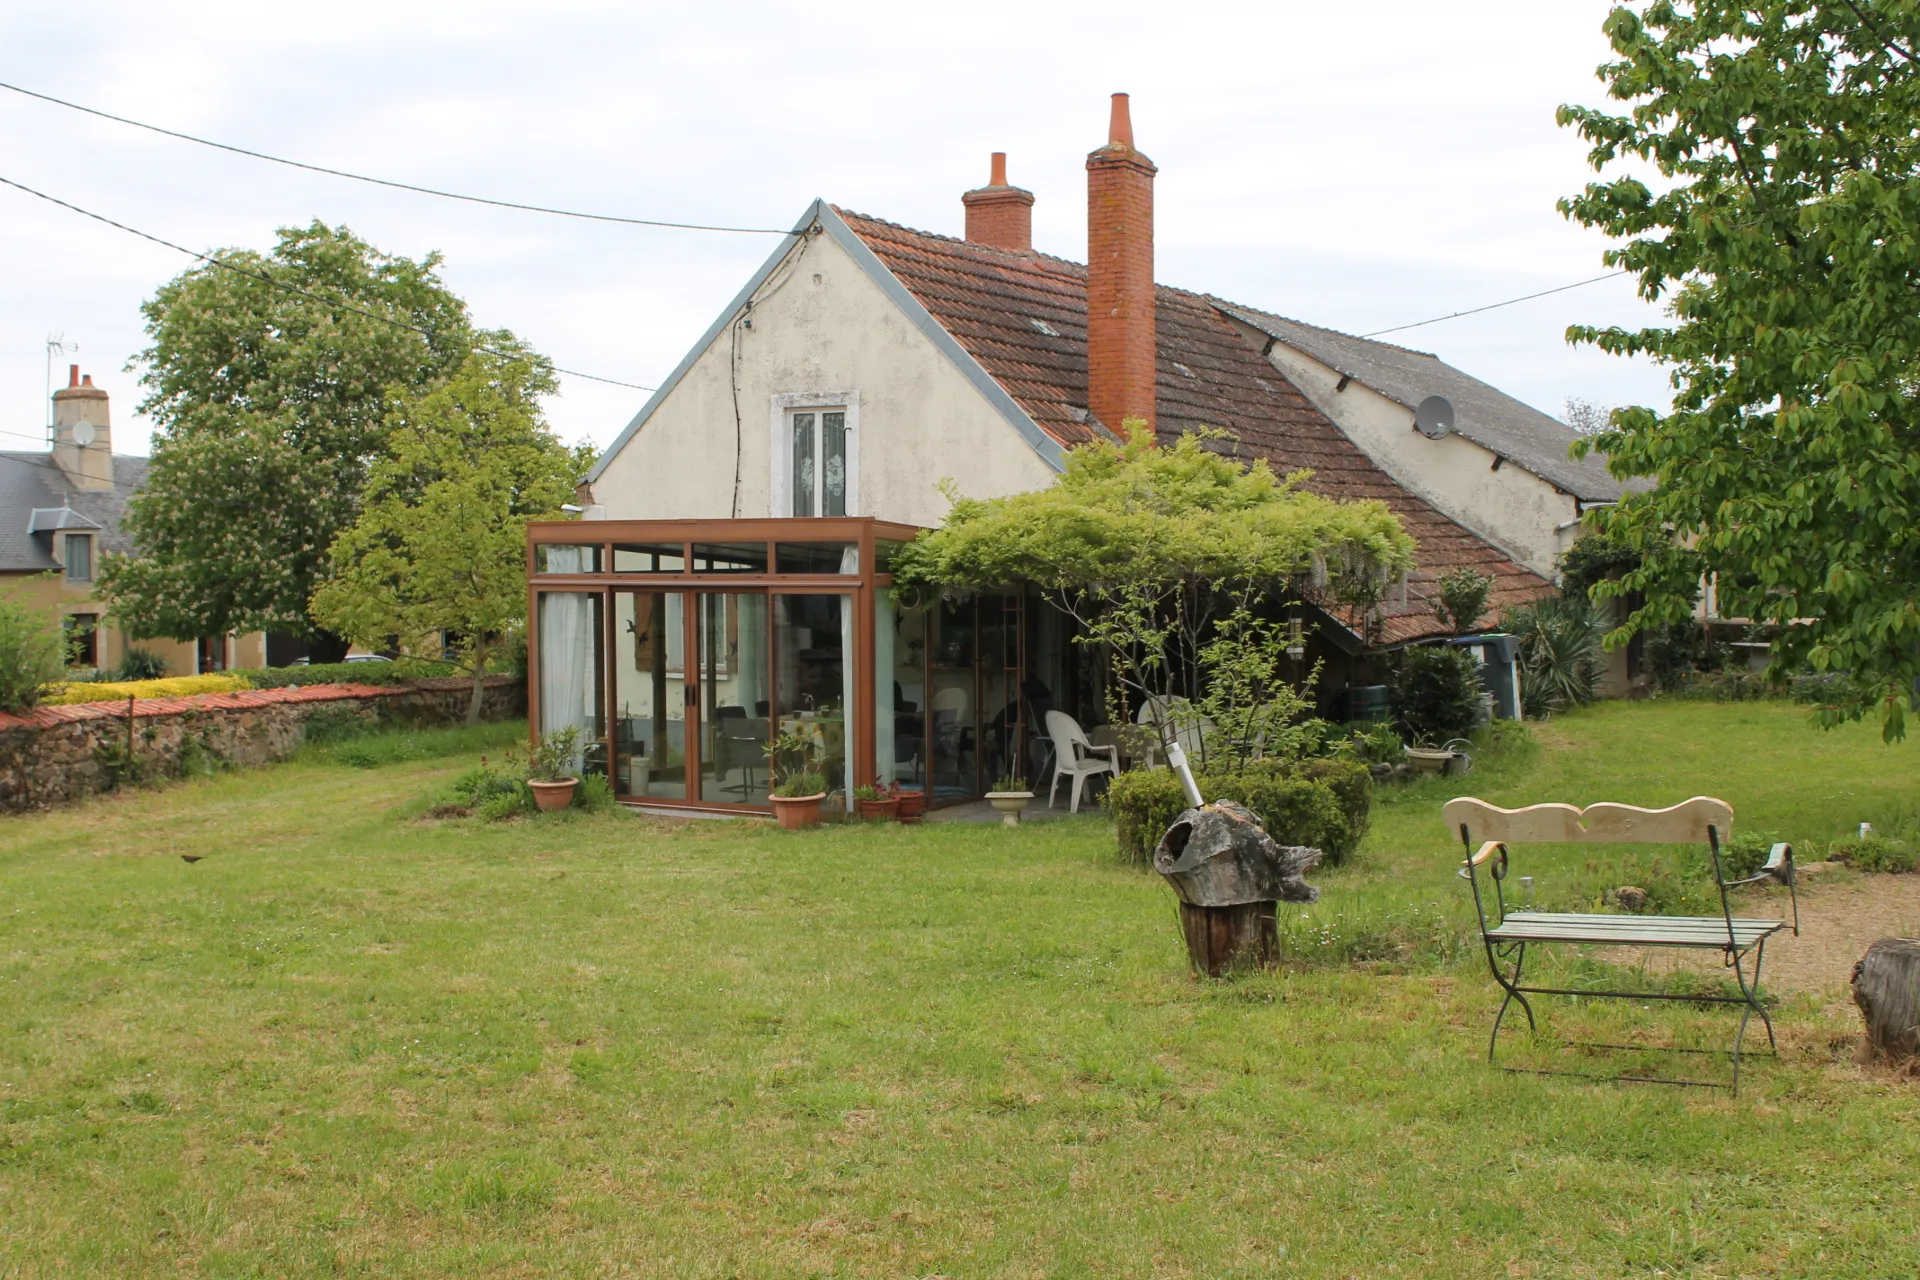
point(82, 433)
point(1000, 215)
point(1121, 339)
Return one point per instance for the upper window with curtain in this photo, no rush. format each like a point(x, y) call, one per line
point(817, 447)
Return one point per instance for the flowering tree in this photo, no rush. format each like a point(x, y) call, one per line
point(1161, 554)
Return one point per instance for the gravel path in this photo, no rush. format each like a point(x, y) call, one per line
point(1841, 914)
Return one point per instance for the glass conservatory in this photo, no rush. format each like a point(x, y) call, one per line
point(680, 648)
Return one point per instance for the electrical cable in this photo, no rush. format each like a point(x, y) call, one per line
point(1494, 306)
point(266, 278)
point(387, 182)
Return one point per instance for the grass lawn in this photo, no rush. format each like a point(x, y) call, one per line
point(351, 1042)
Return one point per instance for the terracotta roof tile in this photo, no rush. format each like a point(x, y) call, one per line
point(1023, 316)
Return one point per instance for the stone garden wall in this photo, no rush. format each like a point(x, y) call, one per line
point(53, 755)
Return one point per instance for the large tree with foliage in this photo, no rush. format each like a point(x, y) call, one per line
point(269, 381)
point(440, 544)
point(1162, 555)
point(1765, 182)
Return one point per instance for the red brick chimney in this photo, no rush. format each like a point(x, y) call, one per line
point(1000, 215)
point(1121, 340)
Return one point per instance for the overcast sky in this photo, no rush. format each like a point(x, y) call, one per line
point(1354, 166)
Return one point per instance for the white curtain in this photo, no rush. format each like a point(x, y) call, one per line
point(751, 671)
point(566, 654)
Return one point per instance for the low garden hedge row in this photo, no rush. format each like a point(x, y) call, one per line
point(1319, 803)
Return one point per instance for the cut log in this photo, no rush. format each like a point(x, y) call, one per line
point(1243, 936)
point(1886, 986)
point(1229, 874)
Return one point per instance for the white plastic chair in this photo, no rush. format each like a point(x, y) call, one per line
point(1076, 757)
point(1191, 734)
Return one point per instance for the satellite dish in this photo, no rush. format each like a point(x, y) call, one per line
point(1434, 418)
point(83, 434)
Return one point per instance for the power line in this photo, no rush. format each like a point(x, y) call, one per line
point(1494, 306)
point(264, 277)
point(387, 182)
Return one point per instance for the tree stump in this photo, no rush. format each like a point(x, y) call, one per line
point(1886, 986)
point(1242, 936)
point(1229, 875)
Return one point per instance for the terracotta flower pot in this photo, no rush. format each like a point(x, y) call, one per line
point(879, 810)
point(795, 812)
point(1008, 804)
point(553, 795)
point(912, 805)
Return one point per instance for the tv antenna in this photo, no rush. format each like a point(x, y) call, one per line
point(1434, 418)
point(57, 345)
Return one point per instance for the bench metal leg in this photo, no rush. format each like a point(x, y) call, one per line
point(1751, 992)
point(1512, 988)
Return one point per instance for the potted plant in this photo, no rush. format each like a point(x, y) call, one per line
point(878, 801)
point(1008, 797)
point(798, 785)
point(550, 772)
point(912, 803)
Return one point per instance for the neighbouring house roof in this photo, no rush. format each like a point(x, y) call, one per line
point(37, 499)
point(1023, 318)
point(1483, 414)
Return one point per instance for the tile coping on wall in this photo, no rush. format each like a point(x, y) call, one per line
point(239, 700)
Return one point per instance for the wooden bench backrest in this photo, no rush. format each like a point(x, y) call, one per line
point(1604, 823)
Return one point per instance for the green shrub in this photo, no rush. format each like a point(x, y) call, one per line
point(1741, 856)
point(505, 804)
point(595, 794)
point(1874, 853)
point(1376, 743)
point(32, 654)
point(141, 664)
point(1319, 803)
point(1436, 694)
point(1561, 659)
point(375, 673)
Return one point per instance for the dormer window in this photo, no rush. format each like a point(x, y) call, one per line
point(79, 557)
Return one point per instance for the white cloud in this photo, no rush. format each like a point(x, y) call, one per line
point(1355, 166)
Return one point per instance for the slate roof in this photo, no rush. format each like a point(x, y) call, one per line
point(1023, 317)
point(1483, 414)
point(34, 491)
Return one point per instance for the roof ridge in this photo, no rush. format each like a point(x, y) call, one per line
point(1024, 257)
point(1321, 328)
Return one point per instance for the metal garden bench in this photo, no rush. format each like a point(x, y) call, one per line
point(1701, 819)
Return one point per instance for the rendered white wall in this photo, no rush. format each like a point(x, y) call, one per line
point(1512, 507)
point(819, 324)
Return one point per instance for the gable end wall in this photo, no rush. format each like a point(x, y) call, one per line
point(820, 324)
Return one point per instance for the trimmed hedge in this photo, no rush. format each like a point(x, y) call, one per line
point(64, 695)
point(1319, 803)
point(374, 673)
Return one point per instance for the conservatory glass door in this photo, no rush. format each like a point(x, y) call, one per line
point(650, 739)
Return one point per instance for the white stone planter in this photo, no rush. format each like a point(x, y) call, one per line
point(1009, 804)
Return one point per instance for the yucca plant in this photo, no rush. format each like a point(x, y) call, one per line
point(1561, 659)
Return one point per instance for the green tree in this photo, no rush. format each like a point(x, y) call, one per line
point(1764, 183)
point(270, 406)
point(33, 653)
point(441, 542)
point(1150, 549)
